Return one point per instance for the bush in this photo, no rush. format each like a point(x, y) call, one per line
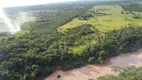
point(85, 16)
point(91, 60)
point(137, 17)
point(59, 76)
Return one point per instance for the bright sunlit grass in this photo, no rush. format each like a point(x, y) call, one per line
point(103, 23)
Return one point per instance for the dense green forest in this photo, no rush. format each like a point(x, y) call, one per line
point(37, 47)
point(44, 62)
point(36, 53)
point(132, 7)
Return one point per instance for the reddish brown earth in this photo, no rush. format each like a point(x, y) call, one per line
point(94, 71)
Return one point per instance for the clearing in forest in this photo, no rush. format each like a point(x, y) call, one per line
point(104, 18)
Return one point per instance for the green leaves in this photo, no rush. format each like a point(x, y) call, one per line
point(129, 73)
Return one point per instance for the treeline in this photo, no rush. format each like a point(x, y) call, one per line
point(4, 34)
point(44, 10)
point(51, 6)
point(132, 7)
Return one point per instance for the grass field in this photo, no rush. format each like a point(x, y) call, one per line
point(115, 20)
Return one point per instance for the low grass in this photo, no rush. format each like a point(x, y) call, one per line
point(78, 49)
point(105, 23)
point(115, 20)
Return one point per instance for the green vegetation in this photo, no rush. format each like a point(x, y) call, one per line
point(23, 17)
point(44, 61)
point(85, 16)
point(35, 51)
point(106, 18)
point(55, 38)
point(133, 7)
point(129, 73)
